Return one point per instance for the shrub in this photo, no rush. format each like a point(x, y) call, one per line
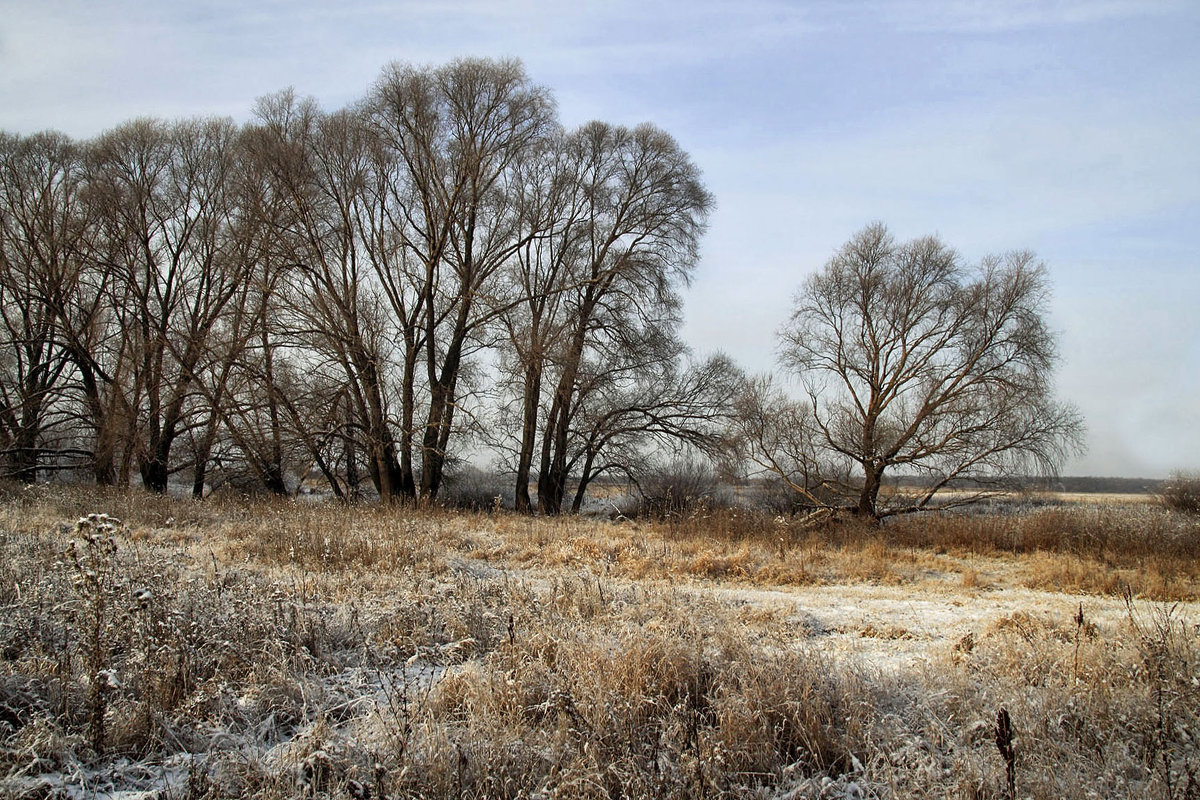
point(1182, 492)
point(678, 488)
point(470, 488)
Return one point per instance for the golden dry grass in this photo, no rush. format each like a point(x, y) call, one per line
point(275, 649)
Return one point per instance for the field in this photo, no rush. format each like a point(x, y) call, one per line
point(155, 647)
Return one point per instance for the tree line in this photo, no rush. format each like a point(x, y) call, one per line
point(362, 292)
point(375, 292)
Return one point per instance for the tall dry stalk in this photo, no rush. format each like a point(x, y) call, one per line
point(1006, 744)
point(93, 558)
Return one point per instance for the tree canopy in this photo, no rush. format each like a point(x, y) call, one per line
point(912, 362)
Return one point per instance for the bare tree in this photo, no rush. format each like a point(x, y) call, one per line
point(546, 272)
point(161, 192)
point(284, 373)
point(42, 240)
point(776, 434)
point(331, 310)
point(245, 426)
point(445, 222)
point(913, 363)
point(626, 422)
point(645, 210)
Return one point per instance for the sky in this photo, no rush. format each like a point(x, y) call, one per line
point(1067, 127)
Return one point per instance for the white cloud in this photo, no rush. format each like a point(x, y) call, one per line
point(990, 181)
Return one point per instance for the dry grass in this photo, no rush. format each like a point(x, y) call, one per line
point(274, 650)
point(1097, 549)
point(1089, 549)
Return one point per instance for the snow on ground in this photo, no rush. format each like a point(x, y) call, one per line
point(896, 628)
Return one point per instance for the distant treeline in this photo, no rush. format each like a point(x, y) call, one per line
point(1114, 485)
point(1062, 484)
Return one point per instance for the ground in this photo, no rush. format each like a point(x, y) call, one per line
point(169, 648)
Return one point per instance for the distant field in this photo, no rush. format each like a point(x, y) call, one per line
point(1104, 498)
point(274, 649)
point(1133, 491)
point(1088, 498)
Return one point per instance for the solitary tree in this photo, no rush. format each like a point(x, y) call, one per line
point(915, 363)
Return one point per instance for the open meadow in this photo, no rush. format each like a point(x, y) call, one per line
point(164, 648)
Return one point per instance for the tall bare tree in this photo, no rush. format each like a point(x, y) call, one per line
point(544, 274)
point(332, 310)
point(42, 242)
point(913, 362)
point(453, 140)
point(645, 208)
point(242, 405)
point(161, 191)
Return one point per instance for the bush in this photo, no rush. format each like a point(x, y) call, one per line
point(1181, 492)
point(473, 489)
point(678, 488)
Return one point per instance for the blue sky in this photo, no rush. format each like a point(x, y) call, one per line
point(1068, 128)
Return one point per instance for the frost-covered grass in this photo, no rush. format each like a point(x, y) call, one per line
point(158, 647)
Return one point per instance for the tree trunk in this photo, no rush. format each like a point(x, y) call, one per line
point(558, 423)
point(24, 453)
point(533, 390)
point(104, 456)
point(156, 470)
point(104, 445)
point(351, 461)
point(868, 498)
point(273, 472)
point(552, 483)
point(552, 477)
point(408, 483)
point(155, 473)
point(23, 449)
point(203, 453)
point(585, 478)
point(381, 452)
point(23, 456)
point(440, 422)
